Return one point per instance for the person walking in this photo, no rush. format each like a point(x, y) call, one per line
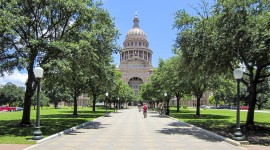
point(145, 108)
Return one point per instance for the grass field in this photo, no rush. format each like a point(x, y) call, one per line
point(51, 121)
point(218, 117)
point(223, 122)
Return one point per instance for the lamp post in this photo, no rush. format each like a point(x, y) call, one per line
point(37, 134)
point(118, 103)
point(167, 100)
point(238, 74)
point(106, 113)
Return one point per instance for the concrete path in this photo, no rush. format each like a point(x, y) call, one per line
point(127, 129)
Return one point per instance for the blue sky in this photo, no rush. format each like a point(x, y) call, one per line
point(156, 20)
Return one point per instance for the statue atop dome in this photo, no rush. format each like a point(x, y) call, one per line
point(136, 20)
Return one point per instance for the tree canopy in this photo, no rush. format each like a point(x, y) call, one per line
point(230, 33)
point(69, 32)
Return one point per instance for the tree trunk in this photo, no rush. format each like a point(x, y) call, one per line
point(55, 105)
point(27, 98)
point(259, 107)
point(75, 113)
point(177, 101)
point(178, 104)
point(198, 106)
point(251, 104)
point(94, 102)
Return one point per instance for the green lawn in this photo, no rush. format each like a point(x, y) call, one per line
point(51, 121)
point(223, 122)
point(218, 117)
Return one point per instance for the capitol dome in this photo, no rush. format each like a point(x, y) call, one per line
point(136, 33)
point(135, 57)
point(136, 36)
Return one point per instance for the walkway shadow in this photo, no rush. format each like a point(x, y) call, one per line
point(186, 129)
point(93, 125)
point(159, 116)
point(88, 125)
point(74, 133)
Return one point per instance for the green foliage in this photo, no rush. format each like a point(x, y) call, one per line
point(218, 39)
point(224, 90)
point(263, 95)
point(211, 100)
point(11, 95)
point(55, 92)
point(44, 100)
point(119, 89)
point(71, 40)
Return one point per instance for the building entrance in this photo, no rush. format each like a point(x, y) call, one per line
point(134, 83)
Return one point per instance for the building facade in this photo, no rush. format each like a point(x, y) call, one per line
point(135, 57)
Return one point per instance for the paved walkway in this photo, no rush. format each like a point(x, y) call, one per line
point(127, 129)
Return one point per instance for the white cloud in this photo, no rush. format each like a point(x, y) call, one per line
point(17, 78)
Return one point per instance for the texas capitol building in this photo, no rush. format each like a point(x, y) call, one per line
point(135, 57)
point(136, 63)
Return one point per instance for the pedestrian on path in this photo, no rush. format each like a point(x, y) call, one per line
point(145, 108)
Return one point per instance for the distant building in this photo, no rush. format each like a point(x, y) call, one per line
point(135, 57)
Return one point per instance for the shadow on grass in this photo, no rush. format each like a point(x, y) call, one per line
point(61, 116)
point(222, 125)
point(185, 129)
point(50, 124)
point(11, 128)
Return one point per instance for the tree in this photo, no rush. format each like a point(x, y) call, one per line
point(231, 33)
point(37, 32)
point(44, 100)
point(100, 82)
point(10, 94)
point(127, 94)
point(263, 94)
point(175, 78)
point(224, 90)
point(147, 91)
point(191, 40)
point(55, 91)
point(153, 89)
point(242, 31)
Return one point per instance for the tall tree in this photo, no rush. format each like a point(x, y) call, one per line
point(34, 32)
point(234, 32)
point(100, 82)
point(175, 78)
point(191, 40)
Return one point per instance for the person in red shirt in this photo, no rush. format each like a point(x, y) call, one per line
point(145, 108)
